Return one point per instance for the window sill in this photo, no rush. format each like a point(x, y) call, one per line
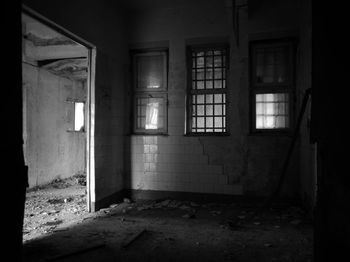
point(207, 134)
point(287, 133)
point(148, 134)
point(74, 131)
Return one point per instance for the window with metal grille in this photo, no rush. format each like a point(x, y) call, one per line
point(207, 99)
point(272, 82)
point(150, 91)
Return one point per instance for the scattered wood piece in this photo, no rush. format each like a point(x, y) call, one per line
point(132, 239)
point(76, 252)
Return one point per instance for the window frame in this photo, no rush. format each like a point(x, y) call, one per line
point(161, 92)
point(272, 88)
point(190, 91)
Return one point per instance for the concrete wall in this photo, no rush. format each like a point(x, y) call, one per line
point(241, 163)
point(100, 23)
point(51, 151)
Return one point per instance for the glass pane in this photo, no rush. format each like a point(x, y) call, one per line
point(150, 71)
point(218, 121)
point(218, 109)
point(200, 110)
point(200, 122)
point(217, 61)
point(209, 110)
point(209, 74)
point(218, 73)
point(209, 61)
point(209, 99)
point(200, 62)
point(200, 84)
point(78, 116)
point(259, 108)
point(218, 98)
point(200, 74)
point(271, 111)
point(271, 64)
point(200, 99)
point(218, 84)
point(209, 122)
point(150, 113)
point(209, 84)
point(193, 122)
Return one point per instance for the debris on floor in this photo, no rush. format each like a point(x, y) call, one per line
point(49, 206)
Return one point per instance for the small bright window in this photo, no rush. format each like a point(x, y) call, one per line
point(272, 85)
point(150, 91)
point(150, 113)
point(272, 111)
point(79, 116)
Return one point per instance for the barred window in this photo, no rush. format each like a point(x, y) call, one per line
point(272, 82)
point(207, 97)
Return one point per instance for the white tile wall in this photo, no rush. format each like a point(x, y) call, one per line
point(175, 163)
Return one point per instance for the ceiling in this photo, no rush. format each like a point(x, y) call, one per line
point(48, 49)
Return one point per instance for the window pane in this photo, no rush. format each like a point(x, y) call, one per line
point(209, 110)
point(209, 99)
point(271, 64)
point(200, 122)
point(200, 110)
point(218, 109)
point(200, 74)
point(200, 99)
point(218, 73)
point(271, 111)
point(200, 84)
point(209, 122)
point(209, 74)
point(218, 98)
point(152, 116)
point(150, 71)
point(200, 62)
point(218, 83)
point(217, 61)
point(218, 122)
point(209, 61)
point(78, 116)
point(209, 84)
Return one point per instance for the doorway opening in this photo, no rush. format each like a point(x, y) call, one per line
point(58, 70)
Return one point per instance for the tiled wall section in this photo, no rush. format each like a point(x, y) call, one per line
point(175, 163)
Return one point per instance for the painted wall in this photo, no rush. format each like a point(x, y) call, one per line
point(241, 163)
point(51, 150)
point(100, 23)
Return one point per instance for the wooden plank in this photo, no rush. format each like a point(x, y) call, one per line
point(84, 250)
point(136, 236)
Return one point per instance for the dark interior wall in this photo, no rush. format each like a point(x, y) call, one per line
point(100, 23)
point(51, 149)
point(250, 161)
point(330, 59)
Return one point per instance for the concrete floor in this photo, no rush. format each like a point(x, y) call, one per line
point(177, 231)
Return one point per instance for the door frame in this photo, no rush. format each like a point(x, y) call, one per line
point(90, 101)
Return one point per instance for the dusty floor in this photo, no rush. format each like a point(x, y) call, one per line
point(164, 230)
